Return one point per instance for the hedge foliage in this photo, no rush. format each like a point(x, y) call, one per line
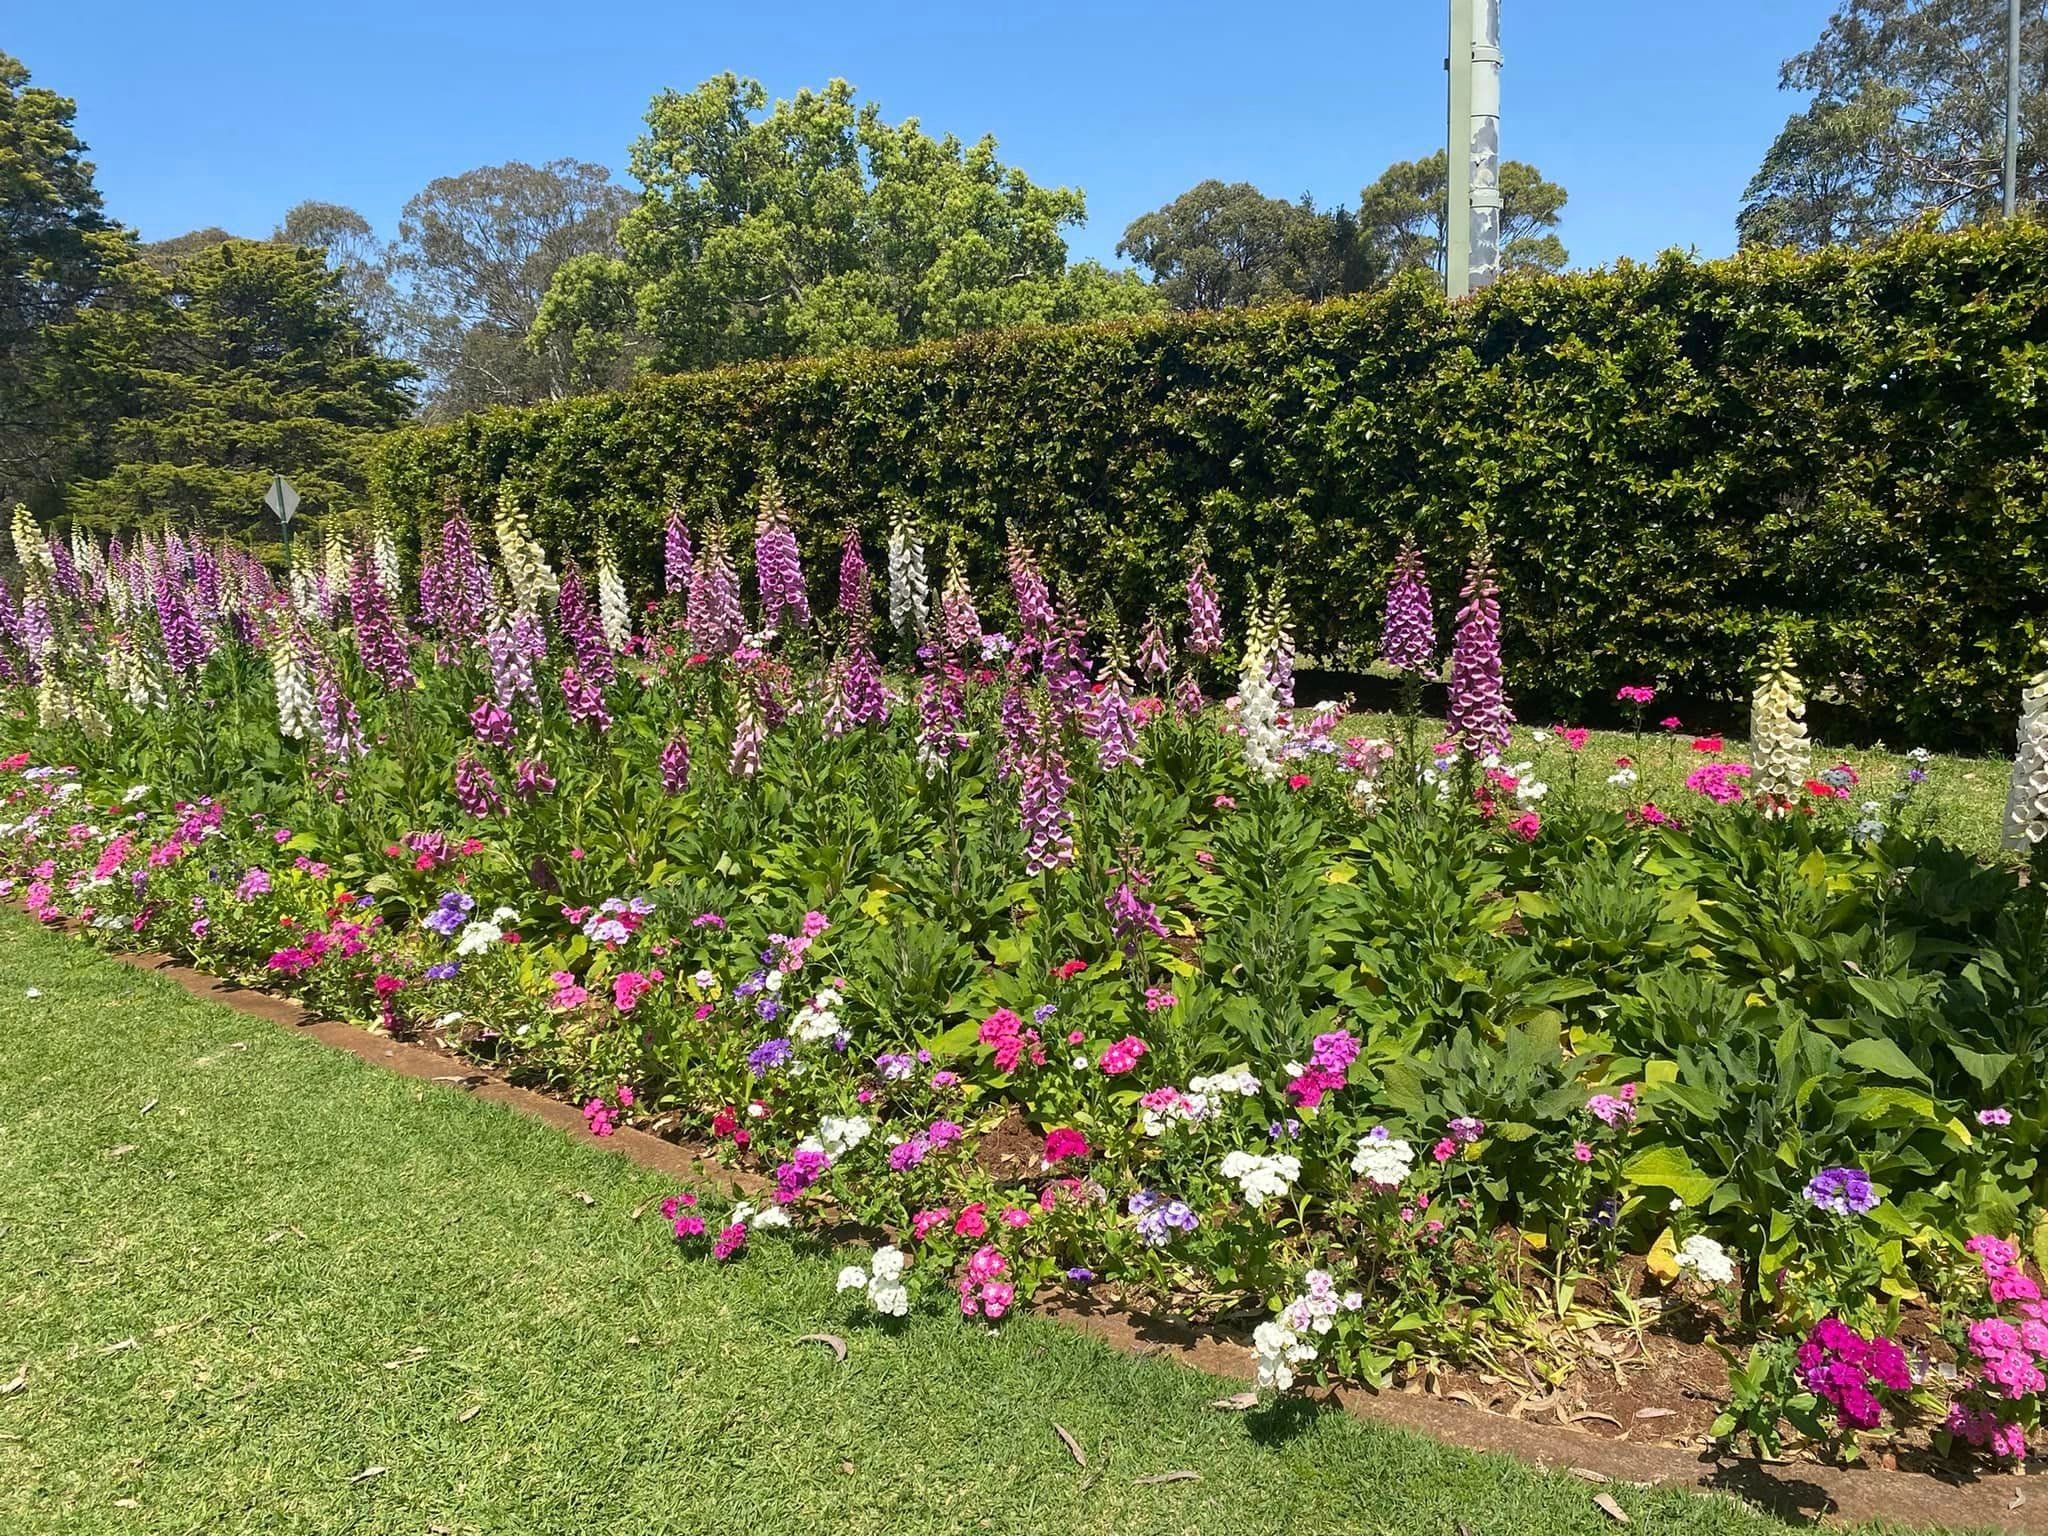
point(1671, 460)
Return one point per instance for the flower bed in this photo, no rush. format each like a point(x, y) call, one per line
point(1024, 951)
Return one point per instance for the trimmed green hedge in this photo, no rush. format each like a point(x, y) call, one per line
point(1672, 460)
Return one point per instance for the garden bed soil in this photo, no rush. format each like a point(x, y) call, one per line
point(1643, 1425)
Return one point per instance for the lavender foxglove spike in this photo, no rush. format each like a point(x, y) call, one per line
point(1408, 632)
point(1479, 713)
point(778, 568)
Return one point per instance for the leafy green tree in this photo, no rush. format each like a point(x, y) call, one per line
point(1907, 122)
point(1405, 212)
point(54, 245)
point(817, 227)
point(355, 256)
point(1223, 246)
point(197, 386)
point(474, 256)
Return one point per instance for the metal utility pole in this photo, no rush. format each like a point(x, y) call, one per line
point(1457, 156)
point(1486, 210)
point(1472, 148)
point(2012, 109)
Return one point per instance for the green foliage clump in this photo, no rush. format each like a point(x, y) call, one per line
point(1690, 455)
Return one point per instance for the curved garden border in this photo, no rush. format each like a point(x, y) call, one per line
point(1790, 1490)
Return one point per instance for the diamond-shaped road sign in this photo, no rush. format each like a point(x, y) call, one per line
point(281, 498)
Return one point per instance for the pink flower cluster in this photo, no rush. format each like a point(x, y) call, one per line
point(1064, 1143)
point(1122, 1056)
point(1328, 1061)
point(983, 1291)
point(600, 1118)
point(2010, 1358)
point(687, 1223)
point(1719, 782)
point(1011, 1040)
point(1846, 1371)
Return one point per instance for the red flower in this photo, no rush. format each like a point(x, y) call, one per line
point(1298, 781)
point(1069, 969)
point(1707, 744)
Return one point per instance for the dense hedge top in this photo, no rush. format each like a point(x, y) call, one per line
point(1672, 460)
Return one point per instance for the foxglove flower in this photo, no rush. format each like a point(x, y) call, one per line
point(378, 640)
point(583, 697)
point(909, 591)
point(942, 711)
point(1042, 801)
point(185, 644)
point(1155, 659)
point(297, 717)
point(2026, 803)
point(579, 626)
point(341, 731)
point(612, 615)
point(531, 779)
point(465, 580)
point(1408, 632)
point(959, 624)
point(511, 667)
point(778, 569)
point(857, 694)
point(1258, 701)
point(747, 736)
point(853, 583)
point(384, 556)
point(677, 559)
point(1028, 590)
point(1109, 719)
point(519, 553)
point(1479, 713)
point(1205, 613)
point(475, 790)
point(491, 722)
point(675, 764)
point(714, 608)
point(1777, 726)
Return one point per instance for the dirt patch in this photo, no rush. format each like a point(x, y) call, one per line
point(1598, 1430)
point(1012, 1152)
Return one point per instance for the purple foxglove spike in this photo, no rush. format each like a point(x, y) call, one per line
point(1408, 633)
point(1479, 713)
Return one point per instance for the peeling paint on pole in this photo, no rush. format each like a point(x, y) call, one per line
point(1485, 142)
point(1457, 252)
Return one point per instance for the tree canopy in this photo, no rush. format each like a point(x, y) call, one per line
point(1222, 246)
point(816, 226)
point(1406, 211)
point(1907, 122)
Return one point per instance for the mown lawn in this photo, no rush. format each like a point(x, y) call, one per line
point(1962, 798)
point(293, 1269)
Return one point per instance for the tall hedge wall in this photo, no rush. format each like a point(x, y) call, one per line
point(1671, 460)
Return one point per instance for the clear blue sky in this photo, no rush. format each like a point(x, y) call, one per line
point(1654, 116)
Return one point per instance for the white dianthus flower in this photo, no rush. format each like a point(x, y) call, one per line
point(839, 1134)
point(1279, 1349)
point(1706, 1258)
point(1261, 1177)
point(1384, 1160)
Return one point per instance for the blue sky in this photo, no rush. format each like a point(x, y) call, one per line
point(201, 114)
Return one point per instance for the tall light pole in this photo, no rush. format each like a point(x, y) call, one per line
point(1458, 156)
point(2012, 109)
point(1472, 148)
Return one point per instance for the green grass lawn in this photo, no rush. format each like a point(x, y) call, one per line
point(1963, 797)
point(293, 1269)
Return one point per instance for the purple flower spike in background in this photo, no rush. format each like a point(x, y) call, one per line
point(1408, 633)
point(778, 568)
point(1479, 712)
point(677, 557)
point(1205, 613)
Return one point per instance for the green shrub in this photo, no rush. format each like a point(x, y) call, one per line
point(1673, 459)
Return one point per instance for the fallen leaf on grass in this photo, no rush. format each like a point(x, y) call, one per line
point(1073, 1446)
point(831, 1341)
point(1589, 1474)
point(127, 1503)
point(169, 1329)
point(147, 1107)
point(1181, 1476)
point(33, 992)
point(121, 1151)
point(367, 1473)
point(847, 1469)
point(1604, 1502)
point(635, 1213)
point(1237, 1402)
point(469, 1413)
point(583, 1195)
point(124, 1344)
point(9, 1388)
point(411, 1357)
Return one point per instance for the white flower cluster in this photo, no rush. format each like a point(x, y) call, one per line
point(838, 1135)
point(882, 1279)
point(1222, 1085)
point(1285, 1342)
point(612, 616)
point(1385, 1160)
point(909, 590)
point(525, 562)
point(481, 933)
point(1777, 726)
point(1172, 1107)
point(1258, 694)
point(1261, 1177)
point(818, 1019)
point(1707, 1259)
point(2026, 806)
point(746, 1215)
point(296, 716)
